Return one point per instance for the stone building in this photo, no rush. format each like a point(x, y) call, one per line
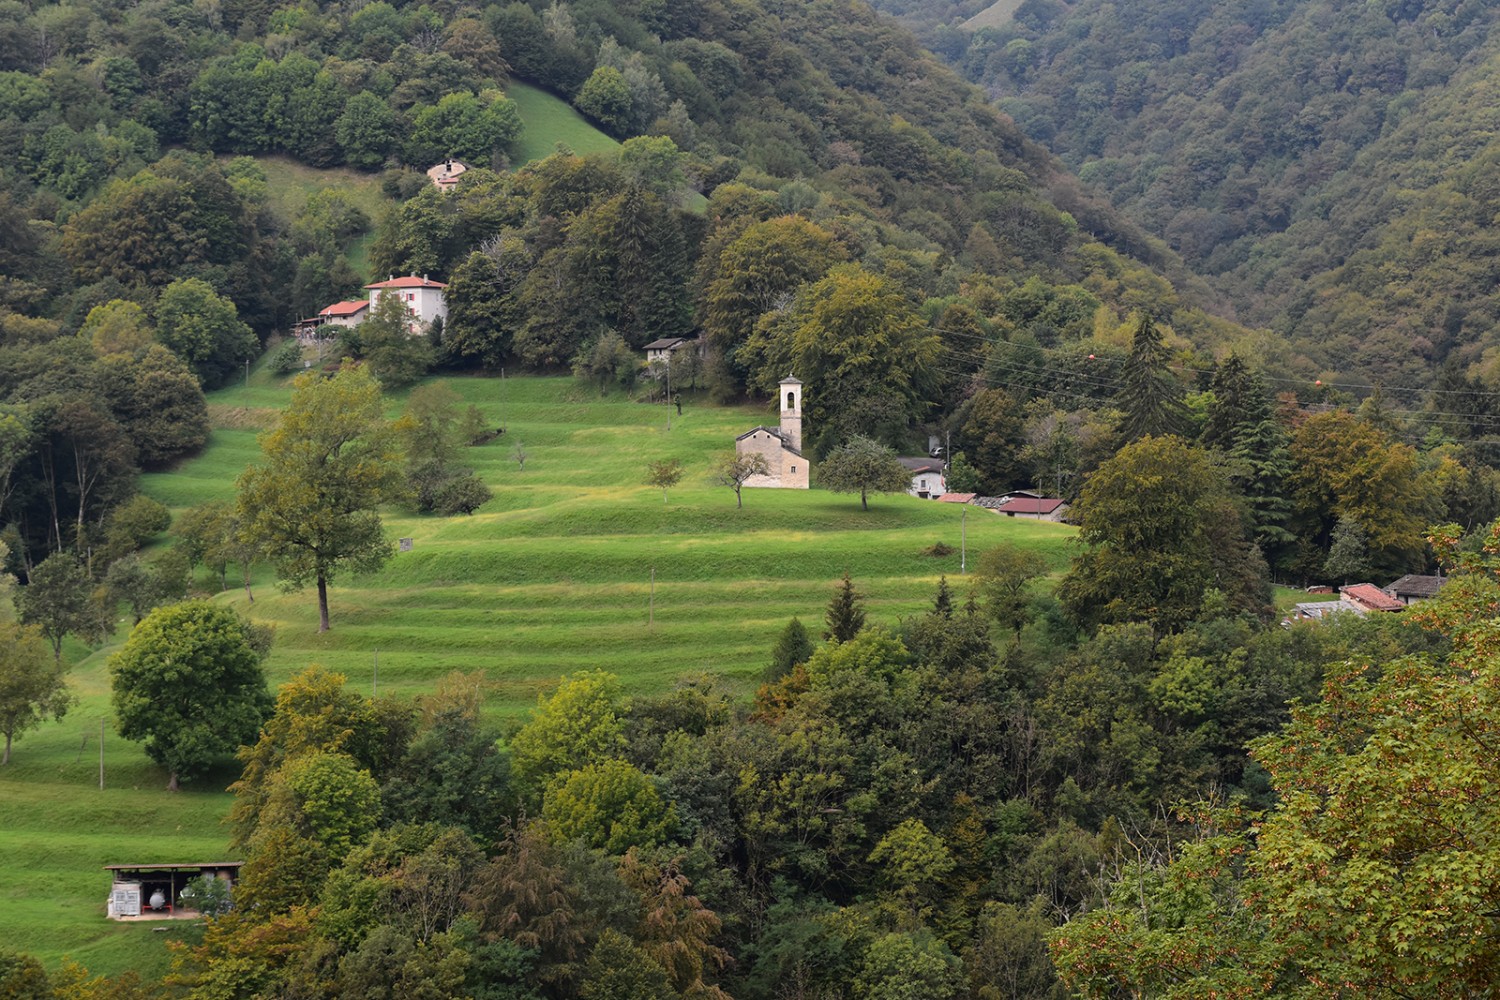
point(788, 468)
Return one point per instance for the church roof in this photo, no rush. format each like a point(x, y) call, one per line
point(775, 434)
point(791, 381)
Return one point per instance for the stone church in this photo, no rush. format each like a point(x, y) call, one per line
point(782, 448)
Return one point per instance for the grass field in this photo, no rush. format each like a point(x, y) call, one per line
point(552, 576)
point(550, 120)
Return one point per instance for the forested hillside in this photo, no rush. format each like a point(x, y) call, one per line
point(139, 221)
point(1038, 781)
point(1324, 164)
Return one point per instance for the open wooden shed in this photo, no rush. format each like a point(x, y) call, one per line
point(153, 892)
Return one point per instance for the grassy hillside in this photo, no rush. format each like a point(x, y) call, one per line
point(552, 576)
point(549, 121)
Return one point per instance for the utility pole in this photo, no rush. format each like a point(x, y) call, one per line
point(247, 373)
point(502, 400)
point(669, 391)
point(101, 753)
point(963, 543)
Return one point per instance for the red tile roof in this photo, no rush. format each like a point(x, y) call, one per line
point(1371, 596)
point(411, 281)
point(344, 308)
point(957, 497)
point(1030, 505)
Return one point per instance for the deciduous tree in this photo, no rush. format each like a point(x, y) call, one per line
point(203, 329)
point(32, 689)
point(1162, 527)
point(329, 463)
point(736, 469)
point(58, 599)
point(664, 475)
point(863, 466)
point(188, 682)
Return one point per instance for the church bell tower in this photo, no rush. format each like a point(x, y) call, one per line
point(791, 412)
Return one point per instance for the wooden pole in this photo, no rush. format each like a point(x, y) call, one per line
point(101, 753)
point(963, 550)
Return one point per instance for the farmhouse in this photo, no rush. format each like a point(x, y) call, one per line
point(1356, 598)
point(927, 479)
point(154, 891)
point(781, 447)
point(351, 313)
point(423, 297)
point(445, 175)
point(659, 352)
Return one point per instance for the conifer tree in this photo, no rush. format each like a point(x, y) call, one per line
point(1150, 398)
point(792, 647)
point(846, 613)
point(942, 604)
point(1238, 402)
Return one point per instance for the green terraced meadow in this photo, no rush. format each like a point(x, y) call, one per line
point(552, 576)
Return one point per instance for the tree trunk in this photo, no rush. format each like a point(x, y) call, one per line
point(6, 759)
point(864, 503)
point(739, 501)
point(322, 604)
point(246, 575)
point(172, 782)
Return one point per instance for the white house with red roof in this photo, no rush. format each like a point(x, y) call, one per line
point(422, 296)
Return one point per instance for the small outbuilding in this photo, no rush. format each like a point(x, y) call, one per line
point(1033, 507)
point(154, 891)
point(1412, 588)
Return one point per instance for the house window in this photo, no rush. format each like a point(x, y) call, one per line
point(923, 485)
point(794, 468)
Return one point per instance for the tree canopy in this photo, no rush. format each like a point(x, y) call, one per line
point(328, 464)
point(188, 683)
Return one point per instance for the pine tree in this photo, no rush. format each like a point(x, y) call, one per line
point(1150, 397)
point(942, 605)
point(1238, 401)
point(792, 647)
point(846, 614)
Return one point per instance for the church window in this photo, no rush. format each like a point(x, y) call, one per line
point(791, 401)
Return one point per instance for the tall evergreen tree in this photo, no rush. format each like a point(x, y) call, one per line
point(1150, 398)
point(792, 647)
point(846, 613)
point(1238, 401)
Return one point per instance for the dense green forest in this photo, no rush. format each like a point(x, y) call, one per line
point(1323, 163)
point(905, 809)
